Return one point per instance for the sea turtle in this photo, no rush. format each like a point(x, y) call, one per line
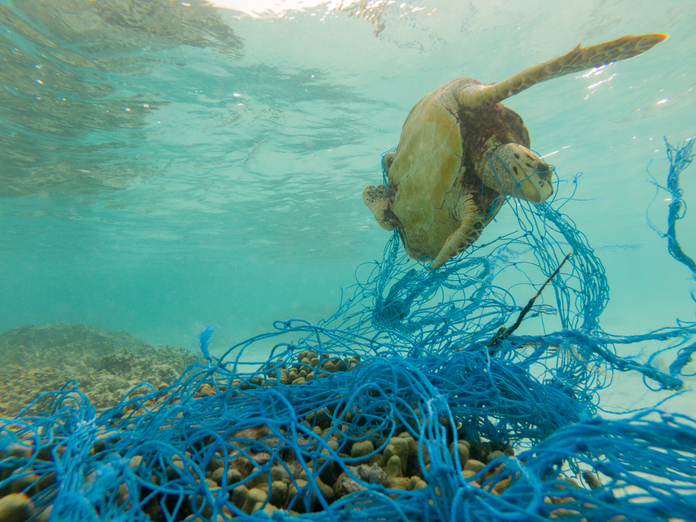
point(462, 152)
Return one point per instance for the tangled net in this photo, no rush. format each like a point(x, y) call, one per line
point(412, 402)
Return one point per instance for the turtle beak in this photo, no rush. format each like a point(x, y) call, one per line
point(537, 187)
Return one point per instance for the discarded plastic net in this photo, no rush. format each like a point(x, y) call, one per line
point(398, 407)
point(387, 440)
point(679, 158)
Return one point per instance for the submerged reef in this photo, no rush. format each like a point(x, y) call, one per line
point(324, 435)
point(102, 364)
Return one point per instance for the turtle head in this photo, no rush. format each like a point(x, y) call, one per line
point(517, 171)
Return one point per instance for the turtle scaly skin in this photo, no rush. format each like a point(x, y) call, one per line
point(462, 152)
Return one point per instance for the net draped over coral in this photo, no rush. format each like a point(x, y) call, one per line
point(398, 407)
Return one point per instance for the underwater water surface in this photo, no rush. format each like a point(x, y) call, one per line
point(170, 164)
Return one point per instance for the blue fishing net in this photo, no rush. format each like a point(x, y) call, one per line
point(419, 399)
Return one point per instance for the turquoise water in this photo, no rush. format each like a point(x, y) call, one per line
point(164, 165)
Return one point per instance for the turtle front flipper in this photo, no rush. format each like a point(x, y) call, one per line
point(377, 200)
point(579, 59)
point(472, 224)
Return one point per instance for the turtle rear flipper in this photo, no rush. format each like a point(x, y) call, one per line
point(387, 160)
point(579, 59)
